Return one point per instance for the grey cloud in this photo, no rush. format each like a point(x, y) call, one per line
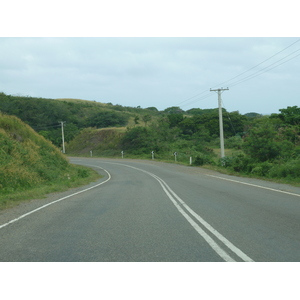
point(159, 72)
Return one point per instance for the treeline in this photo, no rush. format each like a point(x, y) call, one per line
point(193, 133)
point(188, 135)
point(44, 115)
point(258, 145)
point(270, 146)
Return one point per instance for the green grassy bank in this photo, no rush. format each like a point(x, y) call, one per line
point(30, 166)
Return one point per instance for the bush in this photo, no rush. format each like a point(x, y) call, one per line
point(262, 169)
point(238, 163)
point(234, 142)
point(201, 160)
point(289, 169)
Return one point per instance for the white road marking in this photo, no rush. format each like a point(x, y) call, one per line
point(41, 207)
point(258, 186)
point(223, 254)
point(171, 195)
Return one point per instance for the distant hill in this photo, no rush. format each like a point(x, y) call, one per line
point(252, 115)
point(44, 115)
point(105, 141)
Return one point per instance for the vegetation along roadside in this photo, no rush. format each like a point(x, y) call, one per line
point(261, 146)
point(31, 166)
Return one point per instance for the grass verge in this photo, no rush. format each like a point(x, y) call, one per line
point(77, 176)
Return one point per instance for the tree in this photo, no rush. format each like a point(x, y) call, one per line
point(152, 108)
point(138, 140)
point(262, 142)
point(290, 115)
point(136, 120)
point(173, 110)
point(175, 119)
point(104, 119)
point(252, 115)
point(146, 119)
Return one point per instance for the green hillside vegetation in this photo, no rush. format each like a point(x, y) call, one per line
point(170, 131)
point(44, 115)
point(30, 166)
point(102, 142)
point(255, 145)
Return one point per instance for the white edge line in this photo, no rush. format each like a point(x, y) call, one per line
point(58, 200)
point(258, 186)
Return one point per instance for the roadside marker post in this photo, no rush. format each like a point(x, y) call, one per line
point(175, 155)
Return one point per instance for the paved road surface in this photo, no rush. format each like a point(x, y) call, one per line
point(151, 211)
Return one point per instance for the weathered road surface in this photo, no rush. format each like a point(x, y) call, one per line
point(151, 211)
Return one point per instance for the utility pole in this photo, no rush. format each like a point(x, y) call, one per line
point(62, 135)
point(221, 119)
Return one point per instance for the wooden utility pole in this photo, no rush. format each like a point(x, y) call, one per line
point(221, 119)
point(62, 136)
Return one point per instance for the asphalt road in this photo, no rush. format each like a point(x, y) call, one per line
point(145, 211)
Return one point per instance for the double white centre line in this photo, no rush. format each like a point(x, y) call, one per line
point(188, 213)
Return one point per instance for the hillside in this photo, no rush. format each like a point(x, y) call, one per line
point(256, 145)
point(29, 161)
point(45, 115)
point(102, 142)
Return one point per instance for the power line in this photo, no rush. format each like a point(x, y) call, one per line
point(45, 127)
point(266, 69)
point(192, 97)
point(259, 63)
point(198, 99)
point(257, 73)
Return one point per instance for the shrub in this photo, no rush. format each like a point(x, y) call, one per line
point(238, 163)
point(289, 169)
point(234, 142)
point(262, 169)
point(201, 160)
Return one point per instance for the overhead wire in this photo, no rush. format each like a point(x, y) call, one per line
point(198, 99)
point(258, 64)
point(257, 73)
point(45, 127)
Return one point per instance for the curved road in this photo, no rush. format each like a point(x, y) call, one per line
point(151, 211)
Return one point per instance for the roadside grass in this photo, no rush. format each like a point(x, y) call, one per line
point(31, 166)
point(75, 176)
point(216, 166)
point(291, 181)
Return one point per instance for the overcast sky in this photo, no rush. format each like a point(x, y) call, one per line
point(160, 72)
point(152, 70)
